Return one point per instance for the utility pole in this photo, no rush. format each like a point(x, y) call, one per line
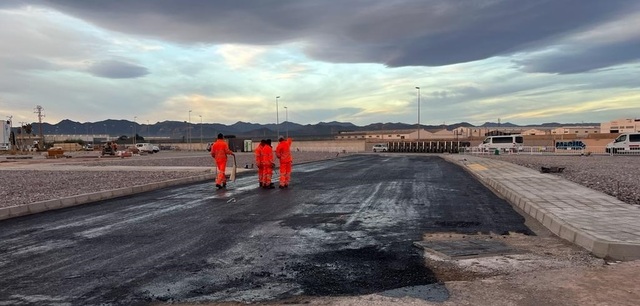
point(39, 111)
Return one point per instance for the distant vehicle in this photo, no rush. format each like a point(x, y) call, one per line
point(503, 142)
point(145, 147)
point(381, 147)
point(570, 145)
point(109, 148)
point(156, 149)
point(88, 147)
point(625, 143)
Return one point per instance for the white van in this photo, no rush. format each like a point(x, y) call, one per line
point(625, 143)
point(145, 147)
point(503, 143)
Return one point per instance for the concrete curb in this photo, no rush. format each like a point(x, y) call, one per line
point(601, 248)
point(37, 207)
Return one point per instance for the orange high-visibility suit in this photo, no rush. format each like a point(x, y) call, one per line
point(267, 163)
point(258, 154)
point(219, 151)
point(283, 152)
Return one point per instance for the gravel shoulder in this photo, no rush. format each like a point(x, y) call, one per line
point(29, 181)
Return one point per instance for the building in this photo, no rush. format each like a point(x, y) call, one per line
point(620, 126)
point(536, 132)
point(379, 135)
point(579, 131)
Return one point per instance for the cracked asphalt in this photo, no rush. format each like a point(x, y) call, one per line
point(345, 227)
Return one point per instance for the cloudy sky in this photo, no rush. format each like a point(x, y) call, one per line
point(360, 61)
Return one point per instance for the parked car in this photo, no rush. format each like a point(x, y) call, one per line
point(156, 149)
point(380, 147)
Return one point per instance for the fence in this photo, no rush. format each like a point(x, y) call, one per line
point(438, 146)
point(549, 150)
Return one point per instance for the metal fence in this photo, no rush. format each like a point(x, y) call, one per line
point(437, 146)
point(549, 150)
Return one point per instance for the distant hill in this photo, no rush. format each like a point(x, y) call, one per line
point(494, 124)
point(208, 131)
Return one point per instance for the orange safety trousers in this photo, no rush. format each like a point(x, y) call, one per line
point(222, 165)
point(285, 173)
point(267, 173)
point(261, 174)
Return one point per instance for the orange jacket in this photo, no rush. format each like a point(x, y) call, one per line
point(283, 151)
point(220, 150)
point(267, 155)
point(258, 153)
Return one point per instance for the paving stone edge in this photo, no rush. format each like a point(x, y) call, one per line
point(599, 247)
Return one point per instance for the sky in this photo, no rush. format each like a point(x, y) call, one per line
point(359, 61)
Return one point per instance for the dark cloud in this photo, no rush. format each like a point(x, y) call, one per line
point(117, 70)
point(395, 33)
point(582, 58)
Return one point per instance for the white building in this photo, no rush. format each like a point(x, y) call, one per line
point(620, 126)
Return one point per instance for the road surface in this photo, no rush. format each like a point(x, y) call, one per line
point(344, 227)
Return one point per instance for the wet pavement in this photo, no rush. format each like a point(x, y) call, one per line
point(344, 227)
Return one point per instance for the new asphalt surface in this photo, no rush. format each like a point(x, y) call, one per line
point(344, 227)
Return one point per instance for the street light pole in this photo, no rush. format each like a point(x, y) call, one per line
point(200, 131)
point(418, 88)
point(286, 110)
point(189, 131)
point(134, 130)
point(277, 119)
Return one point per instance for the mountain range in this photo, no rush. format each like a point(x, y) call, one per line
point(179, 129)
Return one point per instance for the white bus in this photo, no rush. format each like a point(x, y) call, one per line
point(503, 143)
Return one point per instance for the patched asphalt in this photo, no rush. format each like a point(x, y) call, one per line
point(344, 227)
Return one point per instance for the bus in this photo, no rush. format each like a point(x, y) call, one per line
point(503, 143)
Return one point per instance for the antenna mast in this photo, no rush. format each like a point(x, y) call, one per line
point(39, 111)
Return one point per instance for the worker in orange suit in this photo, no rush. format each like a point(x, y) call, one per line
point(219, 151)
point(258, 154)
point(267, 164)
point(283, 152)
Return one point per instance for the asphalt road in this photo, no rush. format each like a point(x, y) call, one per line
point(344, 227)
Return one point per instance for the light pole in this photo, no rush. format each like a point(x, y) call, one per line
point(286, 111)
point(189, 131)
point(418, 88)
point(105, 131)
point(277, 119)
point(134, 130)
point(200, 132)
